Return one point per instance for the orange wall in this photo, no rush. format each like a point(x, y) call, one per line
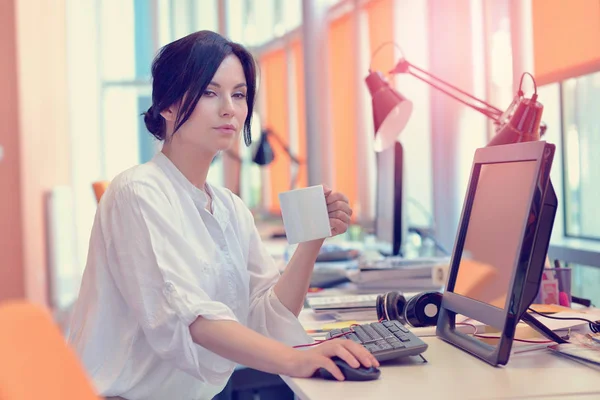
point(566, 38)
point(381, 30)
point(297, 49)
point(343, 93)
point(274, 75)
point(33, 76)
point(12, 278)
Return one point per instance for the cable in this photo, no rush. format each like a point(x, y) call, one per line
point(594, 326)
point(423, 210)
point(437, 244)
point(381, 46)
point(324, 340)
point(424, 234)
point(333, 337)
point(520, 93)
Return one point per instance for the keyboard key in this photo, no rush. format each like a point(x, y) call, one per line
point(388, 324)
point(372, 332)
point(386, 346)
point(402, 336)
point(372, 348)
point(354, 338)
point(382, 330)
point(383, 345)
point(362, 335)
point(400, 326)
point(398, 345)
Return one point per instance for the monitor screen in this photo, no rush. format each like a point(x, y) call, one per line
point(496, 221)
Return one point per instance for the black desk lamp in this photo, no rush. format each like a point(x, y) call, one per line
point(264, 154)
point(521, 122)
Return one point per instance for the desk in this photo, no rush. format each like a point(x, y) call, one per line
point(451, 373)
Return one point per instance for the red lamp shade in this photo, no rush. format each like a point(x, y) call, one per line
point(391, 111)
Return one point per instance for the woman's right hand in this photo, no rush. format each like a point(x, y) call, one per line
point(306, 362)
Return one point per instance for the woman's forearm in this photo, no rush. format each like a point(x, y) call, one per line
point(294, 282)
point(234, 341)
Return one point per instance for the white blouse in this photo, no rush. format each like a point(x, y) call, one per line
point(157, 260)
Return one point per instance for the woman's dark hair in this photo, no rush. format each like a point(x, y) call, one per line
point(185, 67)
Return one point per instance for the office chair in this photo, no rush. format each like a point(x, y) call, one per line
point(36, 362)
point(99, 189)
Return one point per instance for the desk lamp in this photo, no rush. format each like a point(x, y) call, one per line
point(521, 122)
point(264, 154)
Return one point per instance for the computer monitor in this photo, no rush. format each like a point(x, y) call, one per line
point(501, 245)
point(390, 227)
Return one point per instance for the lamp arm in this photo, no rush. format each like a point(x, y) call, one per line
point(285, 147)
point(488, 110)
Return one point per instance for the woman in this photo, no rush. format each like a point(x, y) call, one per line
point(178, 286)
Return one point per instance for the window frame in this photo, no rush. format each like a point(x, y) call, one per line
point(565, 165)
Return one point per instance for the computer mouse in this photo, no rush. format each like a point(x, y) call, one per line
point(361, 373)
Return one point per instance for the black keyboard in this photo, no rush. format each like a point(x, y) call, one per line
point(385, 340)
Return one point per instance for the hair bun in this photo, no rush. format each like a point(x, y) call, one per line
point(155, 123)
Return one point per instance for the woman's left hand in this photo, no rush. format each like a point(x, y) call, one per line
point(339, 211)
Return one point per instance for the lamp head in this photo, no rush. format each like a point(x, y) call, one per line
point(523, 125)
point(391, 111)
point(264, 152)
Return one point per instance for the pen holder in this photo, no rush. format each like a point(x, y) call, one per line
point(555, 287)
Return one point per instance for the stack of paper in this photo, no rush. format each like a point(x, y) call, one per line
point(395, 273)
point(345, 303)
point(587, 355)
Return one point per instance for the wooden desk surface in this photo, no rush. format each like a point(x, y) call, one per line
point(451, 373)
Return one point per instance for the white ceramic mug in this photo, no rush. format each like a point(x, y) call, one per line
point(305, 215)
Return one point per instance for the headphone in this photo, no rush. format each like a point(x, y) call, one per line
point(419, 311)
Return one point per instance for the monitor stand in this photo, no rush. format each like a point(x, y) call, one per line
point(541, 328)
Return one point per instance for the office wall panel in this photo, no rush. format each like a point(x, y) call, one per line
point(12, 275)
point(43, 129)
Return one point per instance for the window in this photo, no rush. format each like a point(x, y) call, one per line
point(256, 22)
point(128, 47)
point(124, 81)
point(581, 140)
point(499, 54)
point(586, 280)
point(110, 87)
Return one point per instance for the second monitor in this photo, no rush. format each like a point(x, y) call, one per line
point(390, 225)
